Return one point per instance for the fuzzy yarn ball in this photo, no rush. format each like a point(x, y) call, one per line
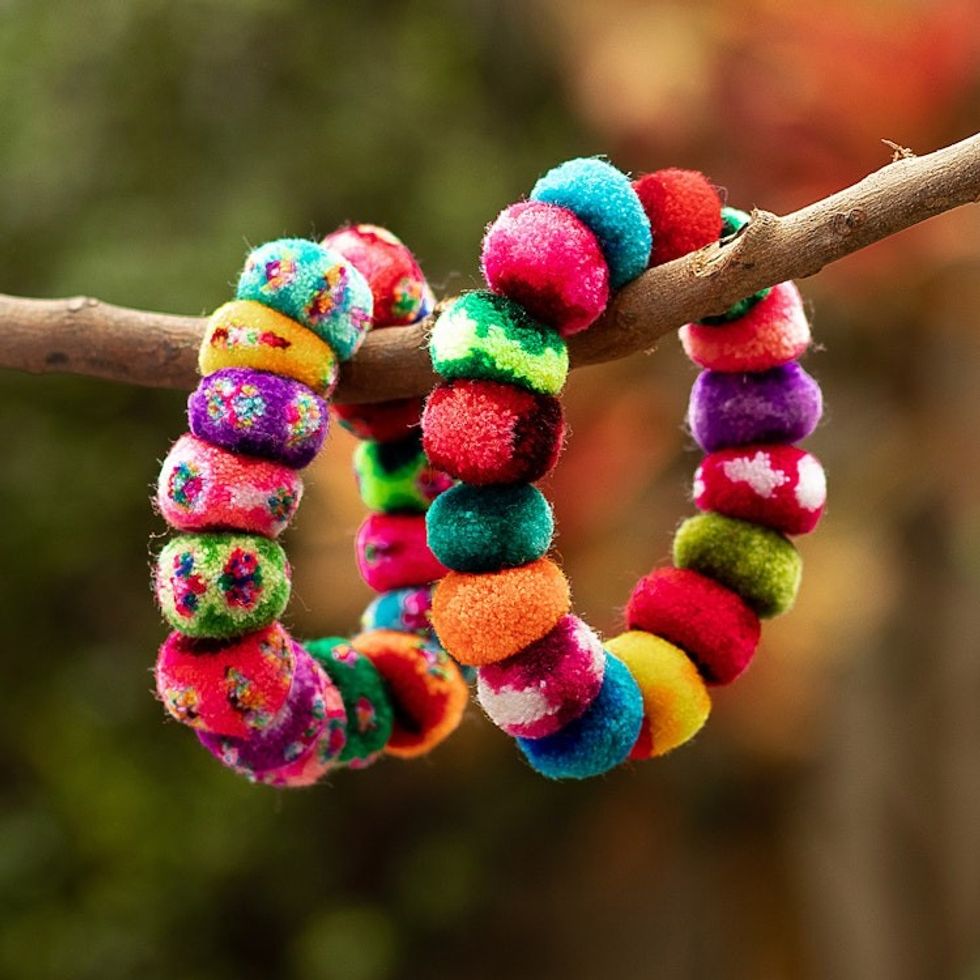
point(711, 624)
point(781, 487)
point(245, 334)
point(676, 703)
point(314, 285)
point(774, 331)
point(756, 562)
point(548, 684)
point(482, 432)
point(732, 223)
point(227, 688)
point(406, 610)
point(381, 421)
point(370, 715)
point(392, 552)
point(482, 335)
point(783, 404)
point(396, 476)
point(598, 740)
point(543, 257)
point(221, 585)
point(202, 487)
point(605, 201)
point(259, 414)
point(427, 690)
point(482, 619)
point(481, 529)
point(684, 211)
point(396, 281)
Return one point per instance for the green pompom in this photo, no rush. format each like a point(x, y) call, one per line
point(482, 529)
point(395, 477)
point(370, 715)
point(756, 562)
point(482, 335)
point(732, 222)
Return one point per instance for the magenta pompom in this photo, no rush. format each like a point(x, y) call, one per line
point(392, 552)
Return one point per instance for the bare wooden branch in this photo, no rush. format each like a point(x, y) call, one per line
point(86, 336)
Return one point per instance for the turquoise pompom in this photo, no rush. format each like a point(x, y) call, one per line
point(604, 199)
point(482, 529)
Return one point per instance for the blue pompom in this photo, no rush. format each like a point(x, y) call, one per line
point(604, 199)
point(600, 739)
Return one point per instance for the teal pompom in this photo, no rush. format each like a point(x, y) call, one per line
point(604, 199)
point(732, 223)
point(482, 529)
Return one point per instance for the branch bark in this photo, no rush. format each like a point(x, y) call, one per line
point(86, 336)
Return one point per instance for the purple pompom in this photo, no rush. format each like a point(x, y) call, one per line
point(259, 414)
point(783, 404)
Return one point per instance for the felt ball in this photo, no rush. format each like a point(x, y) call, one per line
point(482, 335)
point(781, 487)
point(407, 610)
point(481, 619)
point(775, 330)
point(598, 740)
point(259, 414)
point(203, 487)
point(370, 716)
point(221, 585)
point(427, 691)
point(381, 421)
point(396, 476)
point(227, 688)
point(314, 285)
point(548, 684)
point(684, 212)
point(395, 278)
point(676, 704)
point(783, 404)
point(483, 432)
point(245, 334)
point(481, 529)
point(711, 624)
point(605, 201)
point(756, 562)
point(543, 257)
point(392, 552)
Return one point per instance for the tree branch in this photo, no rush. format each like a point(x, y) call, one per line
point(85, 336)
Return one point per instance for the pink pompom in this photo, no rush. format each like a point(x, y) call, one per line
point(778, 486)
point(548, 684)
point(773, 332)
point(392, 552)
point(543, 257)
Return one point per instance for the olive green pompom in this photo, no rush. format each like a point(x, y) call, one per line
point(395, 477)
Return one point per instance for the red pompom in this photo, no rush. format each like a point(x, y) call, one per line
point(543, 257)
point(716, 629)
point(392, 552)
point(482, 432)
point(684, 212)
point(778, 486)
point(381, 421)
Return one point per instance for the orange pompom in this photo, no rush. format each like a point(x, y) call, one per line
point(481, 619)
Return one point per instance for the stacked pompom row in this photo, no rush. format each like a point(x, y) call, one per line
point(265, 705)
point(579, 707)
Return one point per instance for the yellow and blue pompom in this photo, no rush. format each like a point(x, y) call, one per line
point(396, 477)
point(603, 199)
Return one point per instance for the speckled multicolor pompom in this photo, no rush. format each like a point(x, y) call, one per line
point(756, 562)
point(605, 201)
point(543, 257)
point(381, 421)
point(426, 688)
point(483, 432)
point(482, 335)
point(202, 487)
point(407, 610)
point(392, 552)
point(314, 285)
point(598, 740)
point(259, 414)
point(396, 476)
point(676, 703)
point(684, 211)
point(228, 688)
point(781, 487)
point(548, 684)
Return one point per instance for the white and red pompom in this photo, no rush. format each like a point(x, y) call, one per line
point(781, 487)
